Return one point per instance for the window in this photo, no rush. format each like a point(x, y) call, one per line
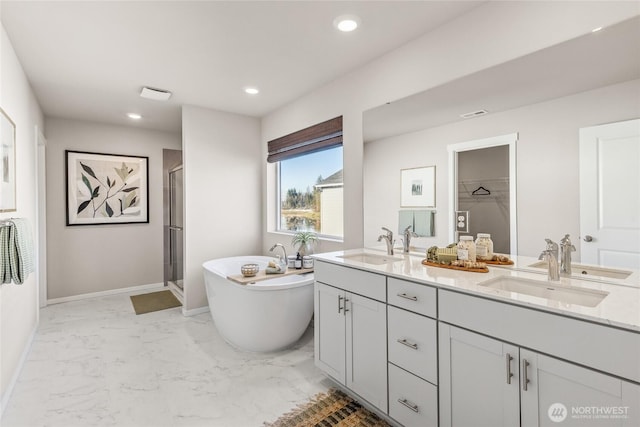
point(309, 164)
point(310, 188)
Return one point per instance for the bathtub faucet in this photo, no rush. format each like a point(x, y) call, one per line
point(283, 262)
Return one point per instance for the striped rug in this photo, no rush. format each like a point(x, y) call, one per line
point(333, 408)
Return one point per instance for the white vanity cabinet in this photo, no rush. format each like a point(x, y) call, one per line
point(351, 330)
point(485, 380)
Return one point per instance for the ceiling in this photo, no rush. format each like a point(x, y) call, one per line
point(598, 59)
point(89, 59)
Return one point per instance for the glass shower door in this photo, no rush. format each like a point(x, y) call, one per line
point(176, 250)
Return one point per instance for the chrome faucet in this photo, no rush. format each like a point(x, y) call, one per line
point(407, 234)
point(565, 255)
point(550, 254)
point(388, 239)
point(283, 262)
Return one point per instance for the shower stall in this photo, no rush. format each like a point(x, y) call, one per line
point(173, 211)
point(175, 229)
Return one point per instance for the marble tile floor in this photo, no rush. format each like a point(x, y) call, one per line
point(95, 363)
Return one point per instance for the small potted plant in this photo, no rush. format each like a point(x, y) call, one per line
point(304, 241)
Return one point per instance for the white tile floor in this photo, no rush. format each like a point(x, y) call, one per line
point(95, 363)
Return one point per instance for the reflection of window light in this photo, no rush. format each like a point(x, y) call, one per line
point(310, 193)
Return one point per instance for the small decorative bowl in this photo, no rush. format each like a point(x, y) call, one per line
point(249, 270)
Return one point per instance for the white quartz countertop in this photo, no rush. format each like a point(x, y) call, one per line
point(620, 308)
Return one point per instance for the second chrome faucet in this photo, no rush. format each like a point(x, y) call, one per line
point(388, 239)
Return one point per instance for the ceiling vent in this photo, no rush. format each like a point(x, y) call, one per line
point(155, 94)
point(474, 114)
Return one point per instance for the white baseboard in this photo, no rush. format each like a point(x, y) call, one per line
point(195, 311)
point(152, 286)
point(4, 400)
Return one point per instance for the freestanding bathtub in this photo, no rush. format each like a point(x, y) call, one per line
point(263, 316)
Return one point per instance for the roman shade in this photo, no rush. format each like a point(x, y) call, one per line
point(318, 137)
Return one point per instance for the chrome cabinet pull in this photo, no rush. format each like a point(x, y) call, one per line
point(405, 296)
point(346, 300)
point(340, 298)
point(408, 344)
point(525, 377)
point(509, 374)
point(408, 404)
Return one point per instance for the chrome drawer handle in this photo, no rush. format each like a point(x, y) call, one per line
point(405, 296)
point(509, 374)
point(408, 344)
point(408, 404)
point(340, 307)
point(525, 376)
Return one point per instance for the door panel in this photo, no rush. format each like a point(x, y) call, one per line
point(610, 194)
point(561, 392)
point(473, 380)
point(330, 331)
point(367, 349)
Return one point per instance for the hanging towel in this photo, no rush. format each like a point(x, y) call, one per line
point(423, 223)
point(16, 251)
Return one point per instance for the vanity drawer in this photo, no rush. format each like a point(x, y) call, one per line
point(412, 401)
point(359, 282)
point(413, 343)
point(412, 296)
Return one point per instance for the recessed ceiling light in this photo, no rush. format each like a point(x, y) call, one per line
point(346, 23)
point(134, 116)
point(252, 90)
point(595, 30)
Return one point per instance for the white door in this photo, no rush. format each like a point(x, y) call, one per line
point(479, 384)
point(329, 336)
point(561, 393)
point(367, 349)
point(610, 194)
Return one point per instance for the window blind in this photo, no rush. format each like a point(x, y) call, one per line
point(321, 136)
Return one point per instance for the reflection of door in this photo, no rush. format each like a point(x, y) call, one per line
point(492, 197)
point(610, 194)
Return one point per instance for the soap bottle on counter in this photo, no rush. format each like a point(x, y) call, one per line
point(298, 261)
point(466, 249)
point(484, 247)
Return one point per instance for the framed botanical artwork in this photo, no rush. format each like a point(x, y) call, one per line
point(106, 188)
point(7, 163)
point(418, 187)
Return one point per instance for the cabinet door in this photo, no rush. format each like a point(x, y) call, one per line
point(475, 389)
point(367, 349)
point(329, 334)
point(561, 392)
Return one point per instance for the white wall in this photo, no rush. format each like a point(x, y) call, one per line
point(222, 165)
point(466, 45)
point(87, 259)
point(548, 194)
point(18, 303)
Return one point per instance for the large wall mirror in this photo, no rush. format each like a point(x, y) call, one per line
point(546, 98)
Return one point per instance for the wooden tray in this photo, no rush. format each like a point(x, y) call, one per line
point(455, 267)
point(262, 275)
point(510, 262)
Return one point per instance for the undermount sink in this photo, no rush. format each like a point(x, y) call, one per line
point(371, 258)
point(590, 270)
point(548, 290)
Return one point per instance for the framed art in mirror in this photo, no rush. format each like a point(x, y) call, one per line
point(418, 187)
point(7, 163)
point(106, 188)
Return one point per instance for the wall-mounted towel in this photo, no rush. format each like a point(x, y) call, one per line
point(421, 222)
point(16, 251)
